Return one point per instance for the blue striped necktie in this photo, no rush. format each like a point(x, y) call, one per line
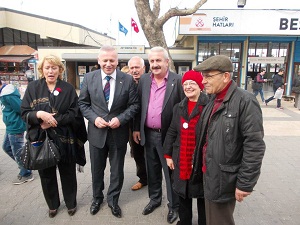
point(106, 89)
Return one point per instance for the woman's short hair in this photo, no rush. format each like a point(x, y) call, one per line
point(55, 60)
point(125, 69)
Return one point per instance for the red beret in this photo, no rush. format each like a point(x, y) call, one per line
point(195, 76)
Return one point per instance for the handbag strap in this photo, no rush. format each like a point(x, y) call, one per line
point(27, 125)
point(27, 115)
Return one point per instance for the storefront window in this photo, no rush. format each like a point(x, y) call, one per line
point(296, 70)
point(232, 50)
point(207, 50)
point(276, 50)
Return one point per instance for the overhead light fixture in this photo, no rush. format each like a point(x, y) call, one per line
point(241, 3)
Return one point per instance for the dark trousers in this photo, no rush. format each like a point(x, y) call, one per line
point(186, 211)
point(155, 163)
point(219, 213)
point(137, 152)
point(67, 172)
point(116, 157)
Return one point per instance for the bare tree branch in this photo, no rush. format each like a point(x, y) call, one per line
point(156, 7)
point(179, 12)
point(152, 26)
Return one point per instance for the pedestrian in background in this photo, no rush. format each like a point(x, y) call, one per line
point(159, 91)
point(278, 82)
point(51, 105)
point(259, 80)
point(108, 100)
point(136, 67)
point(95, 67)
point(179, 148)
point(230, 145)
point(13, 142)
point(296, 90)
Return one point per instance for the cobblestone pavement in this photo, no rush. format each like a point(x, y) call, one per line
point(274, 201)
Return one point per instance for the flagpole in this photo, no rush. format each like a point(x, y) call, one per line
point(118, 31)
point(131, 37)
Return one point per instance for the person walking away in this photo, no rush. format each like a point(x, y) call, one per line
point(50, 105)
point(159, 91)
point(179, 146)
point(136, 69)
point(108, 100)
point(296, 90)
point(259, 80)
point(278, 82)
point(230, 145)
point(13, 142)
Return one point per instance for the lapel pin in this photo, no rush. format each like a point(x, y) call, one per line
point(185, 125)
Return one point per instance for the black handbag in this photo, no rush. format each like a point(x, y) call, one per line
point(39, 155)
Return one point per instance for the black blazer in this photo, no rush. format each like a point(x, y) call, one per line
point(174, 94)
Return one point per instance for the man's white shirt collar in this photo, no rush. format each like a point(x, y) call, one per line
point(113, 75)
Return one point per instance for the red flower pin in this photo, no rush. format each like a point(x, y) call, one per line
point(57, 91)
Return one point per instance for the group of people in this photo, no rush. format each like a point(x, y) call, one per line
point(278, 85)
point(199, 131)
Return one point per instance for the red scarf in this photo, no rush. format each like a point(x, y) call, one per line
point(187, 142)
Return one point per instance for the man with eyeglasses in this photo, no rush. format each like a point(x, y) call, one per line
point(230, 141)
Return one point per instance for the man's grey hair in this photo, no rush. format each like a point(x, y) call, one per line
point(142, 62)
point(107, 48)
point(160, 49)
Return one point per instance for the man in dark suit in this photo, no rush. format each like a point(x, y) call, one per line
point(108, 100)
point(136, 69)
point(159, 91)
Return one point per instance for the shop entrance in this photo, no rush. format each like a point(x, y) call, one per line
point(232, 50)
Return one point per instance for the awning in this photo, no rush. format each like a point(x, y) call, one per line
point(18, 50)
point(18, 59)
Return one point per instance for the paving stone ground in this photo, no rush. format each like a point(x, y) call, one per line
point(275, 200)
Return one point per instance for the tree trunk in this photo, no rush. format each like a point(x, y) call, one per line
point(152, 24)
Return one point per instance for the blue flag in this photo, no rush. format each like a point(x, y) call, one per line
point(122, 29)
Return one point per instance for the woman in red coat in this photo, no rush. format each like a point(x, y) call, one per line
point(179, 147)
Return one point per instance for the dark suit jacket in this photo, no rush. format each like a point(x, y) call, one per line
point(174, 94)
point(92, 104)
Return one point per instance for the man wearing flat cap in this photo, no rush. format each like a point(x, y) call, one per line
point(230, 141)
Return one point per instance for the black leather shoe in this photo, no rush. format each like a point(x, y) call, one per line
point(52, 213)
point(149, 208)
point(172, 216)
point(71, 212)
point(95, 207)
point(116, 211)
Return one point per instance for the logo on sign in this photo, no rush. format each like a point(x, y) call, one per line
point(199, 23)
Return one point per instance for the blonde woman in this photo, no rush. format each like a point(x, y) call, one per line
point(51, 105)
